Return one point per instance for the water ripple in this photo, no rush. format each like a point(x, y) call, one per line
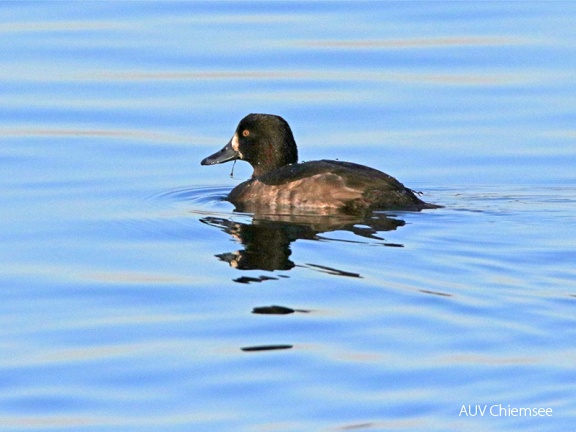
point(463, 41)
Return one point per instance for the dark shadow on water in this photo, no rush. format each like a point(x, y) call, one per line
point(276, 310)
point(266, 241)
point(266, 348)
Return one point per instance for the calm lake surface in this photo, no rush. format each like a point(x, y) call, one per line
point(133, 298)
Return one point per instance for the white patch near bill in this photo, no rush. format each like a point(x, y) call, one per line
point(236, 145)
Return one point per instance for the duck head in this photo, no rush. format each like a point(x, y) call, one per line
point(265, 141)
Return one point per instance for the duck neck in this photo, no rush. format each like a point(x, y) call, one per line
point(263, 167)
point(272, 157)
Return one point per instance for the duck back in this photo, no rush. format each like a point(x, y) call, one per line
point(325, 186)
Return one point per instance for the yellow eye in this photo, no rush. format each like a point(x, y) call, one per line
point(245, 132)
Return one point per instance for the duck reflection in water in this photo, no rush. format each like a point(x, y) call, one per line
point(267, 239)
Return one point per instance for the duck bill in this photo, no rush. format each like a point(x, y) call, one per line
point(225, 155)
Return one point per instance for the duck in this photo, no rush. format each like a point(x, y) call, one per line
point(280, 184)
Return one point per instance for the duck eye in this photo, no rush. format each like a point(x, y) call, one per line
point(245, 132)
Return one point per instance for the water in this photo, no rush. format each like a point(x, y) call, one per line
point(134, 298)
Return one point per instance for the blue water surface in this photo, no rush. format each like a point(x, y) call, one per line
point(134, 298)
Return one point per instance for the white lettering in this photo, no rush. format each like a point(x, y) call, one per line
point(498, 410)
point(473, 411)
point(526, 412)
